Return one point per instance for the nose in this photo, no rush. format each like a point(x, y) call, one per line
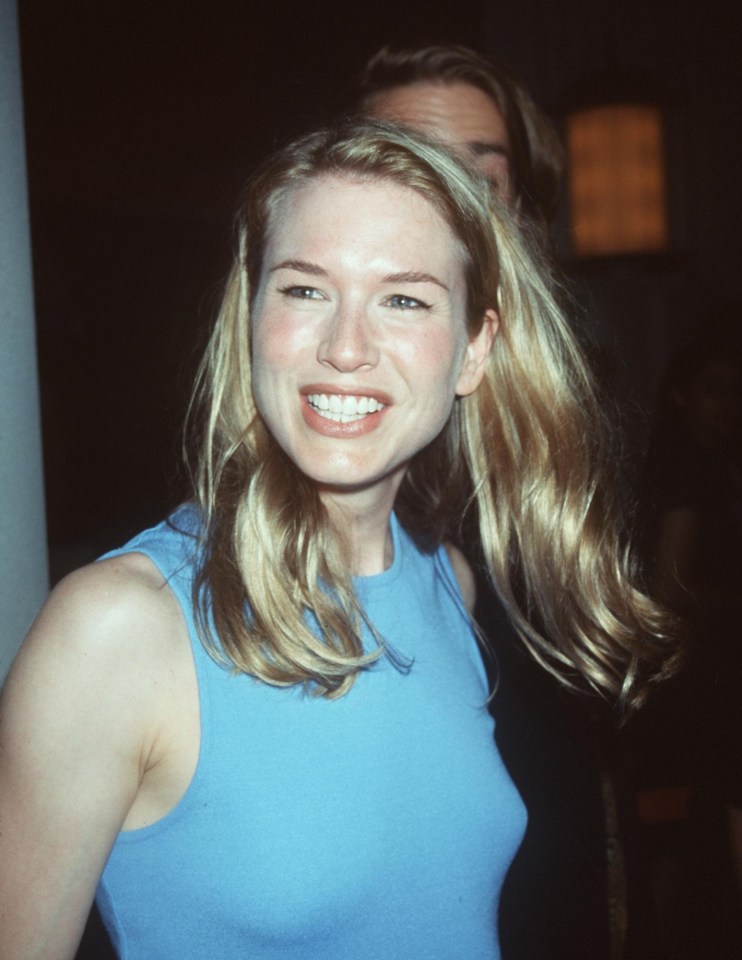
point(348, 341)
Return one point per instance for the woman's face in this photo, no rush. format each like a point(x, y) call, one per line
point(359, 337)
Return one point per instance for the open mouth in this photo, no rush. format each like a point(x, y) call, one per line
point(342, 408)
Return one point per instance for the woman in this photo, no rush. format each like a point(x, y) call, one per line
point(260, 729)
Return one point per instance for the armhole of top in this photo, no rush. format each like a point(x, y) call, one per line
point(456, 560)
point(199, 657)
point(480, 648)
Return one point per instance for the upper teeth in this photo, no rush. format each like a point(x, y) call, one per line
point(340, 407)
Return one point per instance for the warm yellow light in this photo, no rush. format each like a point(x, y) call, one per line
point(617, 180)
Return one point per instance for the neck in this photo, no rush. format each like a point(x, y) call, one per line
point(363, 518)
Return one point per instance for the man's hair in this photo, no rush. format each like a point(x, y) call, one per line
point(523, 456)
point(536, 158)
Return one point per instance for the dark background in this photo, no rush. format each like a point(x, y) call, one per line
point(144, 120)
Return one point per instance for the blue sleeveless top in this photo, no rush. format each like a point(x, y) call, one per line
point(377, 825)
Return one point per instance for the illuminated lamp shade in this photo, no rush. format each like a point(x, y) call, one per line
point(617, 180)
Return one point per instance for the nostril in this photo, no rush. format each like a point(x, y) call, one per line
point(348, 344)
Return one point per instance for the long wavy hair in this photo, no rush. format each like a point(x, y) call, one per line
point(524, 457)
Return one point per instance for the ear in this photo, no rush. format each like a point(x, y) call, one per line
point(476, 356)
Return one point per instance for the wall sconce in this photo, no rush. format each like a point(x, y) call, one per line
point(617, 180)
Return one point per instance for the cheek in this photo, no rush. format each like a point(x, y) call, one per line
point(268, 339)
point(277, 342)
point(436, 359)
point(260, 362)
point(270, 356)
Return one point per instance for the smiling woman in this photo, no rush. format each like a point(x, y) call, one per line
point(384, 322)
point(273, 705)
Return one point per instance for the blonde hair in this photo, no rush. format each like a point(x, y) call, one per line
point(524, 454)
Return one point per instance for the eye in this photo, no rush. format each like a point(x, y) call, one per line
point(302, 293)
point(401, 302)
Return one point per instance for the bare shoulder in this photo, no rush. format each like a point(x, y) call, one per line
point(464, 575)
point(109, 610)
point(103, 644)
point(81, 717)
point(99, 647)
point(121, 586)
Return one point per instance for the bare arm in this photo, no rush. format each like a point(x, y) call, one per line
point(77, 731)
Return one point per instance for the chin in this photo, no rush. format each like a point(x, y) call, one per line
point(350, 478)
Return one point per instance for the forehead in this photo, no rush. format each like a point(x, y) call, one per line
point(456, 113)
point(335, 209)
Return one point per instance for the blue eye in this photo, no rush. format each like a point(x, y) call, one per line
point(301, 293)
point(402, 302)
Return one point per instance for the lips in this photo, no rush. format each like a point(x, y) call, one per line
point(342, 413)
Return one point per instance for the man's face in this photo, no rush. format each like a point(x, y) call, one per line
point(459, 115)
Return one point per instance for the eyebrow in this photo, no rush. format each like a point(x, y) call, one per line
point(481, 148)
point(413, 277)
point(314, 270)
point(303, 266)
